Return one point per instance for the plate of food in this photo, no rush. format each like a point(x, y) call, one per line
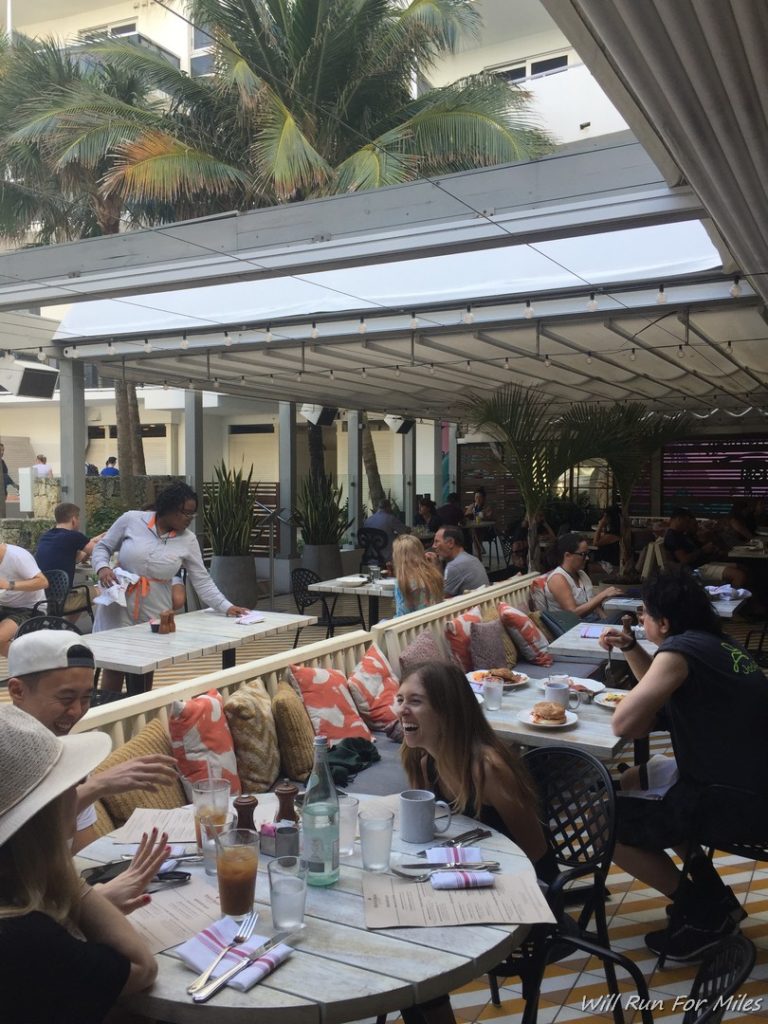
point(548, 714)
point(610, 699)
point(577, 683)
point(510, 679)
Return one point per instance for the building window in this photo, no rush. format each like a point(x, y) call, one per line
point(549, 64)
point(542, 65)
point(201, 65)
point(513, 74)
point(201, 39)
point(252, 428)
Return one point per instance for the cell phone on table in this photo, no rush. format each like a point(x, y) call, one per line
point(106, 872)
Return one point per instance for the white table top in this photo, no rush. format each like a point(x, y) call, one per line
point(571, 646)
point(725, 609)
point(743, 551)
point(137, 649)
point(592, 732)
point(364, 589)
point(340, 971)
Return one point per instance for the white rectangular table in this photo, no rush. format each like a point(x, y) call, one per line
point(725, 609)
point(571, 646)
point(373, 591)
point(743, 551)
point(138, 651)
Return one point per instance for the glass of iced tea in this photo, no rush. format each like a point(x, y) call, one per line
point(237, 860)
point(210, 798)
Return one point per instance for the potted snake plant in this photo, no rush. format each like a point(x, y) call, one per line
point(228, 516)
point(322, 516)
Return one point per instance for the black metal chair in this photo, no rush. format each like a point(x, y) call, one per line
point(304, 598)
point(55, 593)
point(506, 547)
point(373, 542)
point(46, 622)
point(721, 974)
point(579, 817)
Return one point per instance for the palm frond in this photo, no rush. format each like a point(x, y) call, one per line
point(284, 157)
point(446, 21)
point(374, 166)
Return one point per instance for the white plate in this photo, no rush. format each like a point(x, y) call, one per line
point(352, 581)
point(524, 717)
point(478, 677)
point(570, 719)
point(589, 684)
point(387, 581)
point(600, 699)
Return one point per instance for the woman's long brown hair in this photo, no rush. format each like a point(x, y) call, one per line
point(414, 573)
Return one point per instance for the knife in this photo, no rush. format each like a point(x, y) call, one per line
point(205, 993)
point(475, 834)
point(481, 865)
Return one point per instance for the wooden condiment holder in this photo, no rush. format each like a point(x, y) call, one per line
point(167, 622)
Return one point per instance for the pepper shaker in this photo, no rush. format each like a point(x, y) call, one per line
point(245, 806)
point(286, 794)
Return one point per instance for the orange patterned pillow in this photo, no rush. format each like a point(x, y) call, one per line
point(457, 633)
point(538, 595)
point(373, 687)
point(329, 703)
point(201, 739)
point(529, 639)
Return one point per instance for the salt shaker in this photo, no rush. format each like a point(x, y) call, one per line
point(286, 794)
point(245, 806)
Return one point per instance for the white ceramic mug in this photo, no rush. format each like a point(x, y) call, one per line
point(558, 691)
point(417, 816)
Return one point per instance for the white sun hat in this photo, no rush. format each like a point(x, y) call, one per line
point(36, 766)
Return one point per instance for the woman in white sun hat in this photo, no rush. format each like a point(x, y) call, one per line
point(66, 953)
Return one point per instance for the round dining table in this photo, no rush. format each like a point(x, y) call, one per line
point(340, 970)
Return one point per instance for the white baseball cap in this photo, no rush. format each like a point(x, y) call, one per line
point(46, 650)
point(36, 766)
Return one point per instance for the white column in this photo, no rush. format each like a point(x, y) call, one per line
point(287, 474)
point(453, 458)
point(355, 469)
point(437, 463)
point(193, 442)
point(72, 429)
point(409, 475)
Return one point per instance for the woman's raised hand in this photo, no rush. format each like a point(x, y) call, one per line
point(616, 639)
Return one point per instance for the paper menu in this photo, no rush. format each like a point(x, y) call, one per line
point(175, 915)
point(178, 822)
point(249, 618)
point(391, 902)
point(592, 632)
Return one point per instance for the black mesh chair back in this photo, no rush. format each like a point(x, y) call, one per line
point(721, 974)
point(46, 622)
point(304, 597)
point(506, 547)
point(373, 542)
point(55, 593)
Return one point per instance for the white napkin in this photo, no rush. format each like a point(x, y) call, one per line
point(455, 855)
point(116, 593)
point(728, 593)
point(248, 618)
point(197, 952)
point(462, 880)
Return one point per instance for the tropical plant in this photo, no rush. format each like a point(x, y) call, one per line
point(630, 435)
point(532, 446)
point(228, 511)
point(321, 513)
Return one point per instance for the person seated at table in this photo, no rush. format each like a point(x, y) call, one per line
point(518, 534)
point(568, 588)
point(713, 698)
point(419, 581)
point(462, 571)
point(451, 513)
point(608, 535)
point(63, 547)
point(383, 519)
point(154, 545)
point(22, 585)
point(427, 516)
point(66, 953)
point(685, 548)
point(738, 526)
point(477, 511)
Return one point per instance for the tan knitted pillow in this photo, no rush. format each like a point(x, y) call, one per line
point(153, 739)
point(492, 615)
point(249, 713)
point(295, 734)
point(104, 823)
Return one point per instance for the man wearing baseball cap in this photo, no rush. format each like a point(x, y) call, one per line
point(66, 954)
point(51, 678)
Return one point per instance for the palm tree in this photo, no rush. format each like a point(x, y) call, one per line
point(531, 445)
point(629, 436)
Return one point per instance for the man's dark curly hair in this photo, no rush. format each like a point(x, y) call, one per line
point(680, 597)
point(172, 498)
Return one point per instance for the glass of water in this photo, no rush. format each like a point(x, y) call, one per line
point(287, 892)
point(210, 827)
point(348, 806)
point(376, 825)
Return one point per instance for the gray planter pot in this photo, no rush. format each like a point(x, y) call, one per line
point(324, 559)
point(235, 576)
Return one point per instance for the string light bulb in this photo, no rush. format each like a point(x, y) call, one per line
point(332, 375)
point(592, 304)
point(314, 333)
point(680, 351)
point(632, 355)
point(110, 349)
point(729, 346)
point(147, 345)
point(414, 321)
point(227, 339)
point(506, 362)
point(298, 377)
point(184, 342)
point(362, 373)
point(547, 363)
point(432, 369)
point(269, 334)
point(468, 317)
point(661, 296)
point(216, 384)
point(361, 328)
point(271, 379)
point(735, 290)
point(589, 358)
point(41, 356)
point(397, 371)
point(469, 365)
point(528, 311)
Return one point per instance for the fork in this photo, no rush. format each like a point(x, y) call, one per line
point(244, 932)
point(488, 865)
point(608, 677)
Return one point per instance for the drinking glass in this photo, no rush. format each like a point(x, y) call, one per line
point(492, 693)
point(209, 829)
point(375, 573)
point(348, 806)
point(237, 861)
point(287, 892)
point(376, 825)
point(210, 798)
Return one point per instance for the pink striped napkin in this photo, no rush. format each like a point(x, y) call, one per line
point(197, 952)
point(462, 880)
point(455, 855)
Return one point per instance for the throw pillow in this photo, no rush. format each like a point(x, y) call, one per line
point(329, 703)
point(249, 714)
point(529, 639)
point(457, 633)
point(373, 687)
point(153, 739)
point(487, 644)
point(295, 735)
point(538, 596)
point(537, 618)
point(201, 740)
point(420, 651)
point(491, 614)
